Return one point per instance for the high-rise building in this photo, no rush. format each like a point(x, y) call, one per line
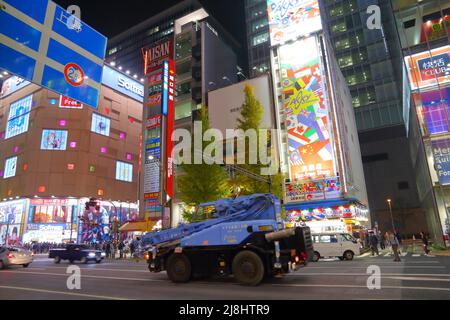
point(371, 62)
point(180, 71)
point(124, 51)
point(320, 151)
point(258, 42)
point(423, 30)
point(57, 153)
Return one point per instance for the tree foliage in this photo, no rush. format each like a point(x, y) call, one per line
point(200, 183)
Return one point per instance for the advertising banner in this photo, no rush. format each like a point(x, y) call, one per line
point(67, 103)
point(313, 190)
point(152, 168)
point(54, 140)
point(441, 154)
point(307, 116)
point(154, 56)
point(11, 215)
point(153, 122)
point(123, 84)
point(12, 84)
point(291, 19)
point(429, 68)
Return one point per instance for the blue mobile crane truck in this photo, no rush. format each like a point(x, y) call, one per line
point(245, 237)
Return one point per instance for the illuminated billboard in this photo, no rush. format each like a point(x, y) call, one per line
point(429, 68)
point(54, 140)
point(18, 117)
point(310, 148)
point(124, 171)
point(100, 124)
point(289, 20)
point(433, 110)
point(10, 167)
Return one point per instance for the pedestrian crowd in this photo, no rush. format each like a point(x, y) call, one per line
point(394, 241)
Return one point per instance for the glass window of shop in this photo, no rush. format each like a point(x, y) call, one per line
point(51, 213)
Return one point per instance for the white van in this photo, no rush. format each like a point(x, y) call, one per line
point(336, 244)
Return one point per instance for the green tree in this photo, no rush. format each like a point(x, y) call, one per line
point(251, 116)
point(200, 183)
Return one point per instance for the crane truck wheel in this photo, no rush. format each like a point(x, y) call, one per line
point(248, 268)
point(179, 268)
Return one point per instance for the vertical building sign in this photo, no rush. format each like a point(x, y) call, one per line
point(168, 105)
point(311, 154)
point(159, 113)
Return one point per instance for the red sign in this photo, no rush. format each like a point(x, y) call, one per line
point(153, 122)
point(151, 196)
point(435, 29)
point(67, 103)
point(170, 125)
point(154, 56)
point(74, 74)
point(154, 79)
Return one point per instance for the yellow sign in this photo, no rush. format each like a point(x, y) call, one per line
point(302, 99)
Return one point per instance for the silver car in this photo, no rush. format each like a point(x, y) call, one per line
point(10, 256)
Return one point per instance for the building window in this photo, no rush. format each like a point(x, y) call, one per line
point(10, 167)
point(259, 39)
point(124, 171)
point(403, 185)
point(54, 140)
point(19, 116)
point(100, 124)
point(259, 24)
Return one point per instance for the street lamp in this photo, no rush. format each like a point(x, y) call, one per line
point(390, 211)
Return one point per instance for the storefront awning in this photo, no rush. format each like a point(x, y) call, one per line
point(143, 226)
point(319, 204)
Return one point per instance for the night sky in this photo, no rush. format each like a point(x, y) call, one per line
point(113, 17)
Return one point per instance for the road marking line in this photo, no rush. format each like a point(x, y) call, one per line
point(416, 279)
point(355, 286)
point(84, 276)
point(104, 269)
point(416, 255)
point(365, 274)
point(399, 265)
point(62, 292)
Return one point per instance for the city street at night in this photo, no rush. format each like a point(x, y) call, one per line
point(416, 277)
point(225, 150)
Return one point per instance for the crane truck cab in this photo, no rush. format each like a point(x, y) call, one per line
point(245, 238)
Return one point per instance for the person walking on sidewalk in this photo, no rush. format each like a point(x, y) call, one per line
point(373, 240)
point(394, 244)
point(121, 247)
point(425, 242)
point(381, 240)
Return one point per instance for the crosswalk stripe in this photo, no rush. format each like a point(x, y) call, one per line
point(416, 255)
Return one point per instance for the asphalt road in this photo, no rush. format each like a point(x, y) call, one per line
point(416, 277)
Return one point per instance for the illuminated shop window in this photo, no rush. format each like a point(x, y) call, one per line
point(19, 116)
point(259, 39)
